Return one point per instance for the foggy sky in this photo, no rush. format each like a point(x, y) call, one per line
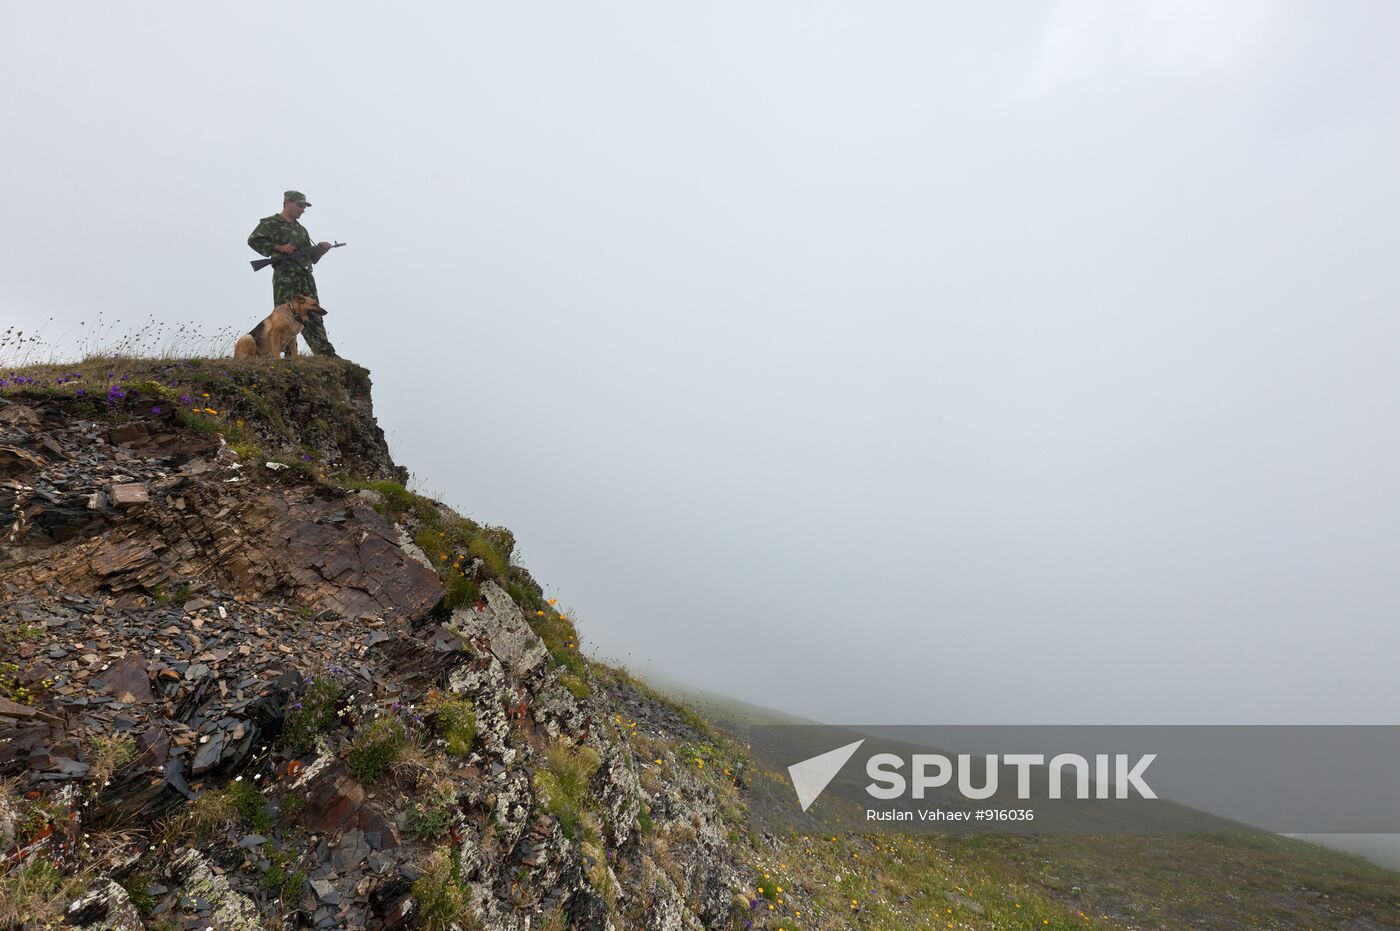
point(878, 362)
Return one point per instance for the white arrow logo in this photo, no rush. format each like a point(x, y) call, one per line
point(811, 776)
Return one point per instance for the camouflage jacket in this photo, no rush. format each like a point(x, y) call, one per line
point(275, 231)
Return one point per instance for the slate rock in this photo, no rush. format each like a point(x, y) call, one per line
point(129, 494)
point(126, 679)
point(325, 891)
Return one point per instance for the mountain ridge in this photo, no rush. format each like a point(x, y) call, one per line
point(248, 679)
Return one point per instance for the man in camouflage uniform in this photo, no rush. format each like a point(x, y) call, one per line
point(281, 233)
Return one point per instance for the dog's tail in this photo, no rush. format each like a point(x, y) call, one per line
point(246, 347)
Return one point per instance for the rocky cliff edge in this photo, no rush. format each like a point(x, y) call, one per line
point(248, 680)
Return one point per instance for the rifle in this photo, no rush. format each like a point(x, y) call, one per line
point(299, 254)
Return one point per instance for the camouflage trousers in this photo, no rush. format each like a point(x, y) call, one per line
point(287, 283)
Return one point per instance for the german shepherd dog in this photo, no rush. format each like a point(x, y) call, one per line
point(277, 335)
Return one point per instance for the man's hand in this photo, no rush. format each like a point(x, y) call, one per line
point(286, 248)
point(323, 246)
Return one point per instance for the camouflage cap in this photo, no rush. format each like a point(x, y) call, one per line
point(297, 196)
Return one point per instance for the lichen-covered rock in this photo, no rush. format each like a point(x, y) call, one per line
point(711, 875)
point(556, 710)
point(666, 910)
point(511, 812)
point(554, 864)
point(231, 910)
point(498, 625)
point(469, 853)
point(615, 786)
point(105, 907)
point(588, 912)
point(491, 913)
point(414, 551)
point(8, 817)
point(483, 680)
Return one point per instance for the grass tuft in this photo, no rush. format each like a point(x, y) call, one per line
point(455, 721)
point(250, 805)
point(442, 902)
point(432, 816)
point(34, 894)
point(375, 748)
point(136, 886)
point(107, 754)
point(562, 783)
point(282, 877)
point(313, 710)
